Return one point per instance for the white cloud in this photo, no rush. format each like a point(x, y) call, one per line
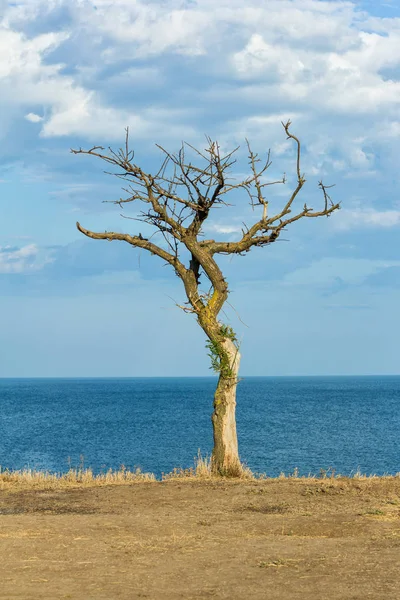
point(156, 27)
point(28, 78)
point(85, 116)
point(21, 57)
point(224, 229)
point(341, 79)
point(260, 58)
point(255, 127)
point(368, 217)
point(33, 118)
point(329, 271)
point(26, 259)
point(322, 64)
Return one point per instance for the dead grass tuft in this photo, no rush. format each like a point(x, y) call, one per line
point(33, 477)
point(332, 476)
point(202, 469)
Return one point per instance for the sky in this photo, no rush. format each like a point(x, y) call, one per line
point(323, 300)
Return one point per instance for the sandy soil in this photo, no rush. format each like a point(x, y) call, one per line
point(276, 539)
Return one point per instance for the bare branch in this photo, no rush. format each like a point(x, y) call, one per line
point(182, 192)
point(139, 242)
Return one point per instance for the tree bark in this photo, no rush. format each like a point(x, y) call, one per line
point(225, 456)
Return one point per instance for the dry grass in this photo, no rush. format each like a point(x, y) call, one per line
point(201, 470)
point(331, 475)
point(73, 477)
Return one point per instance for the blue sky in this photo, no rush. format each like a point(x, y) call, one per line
point(324, 300)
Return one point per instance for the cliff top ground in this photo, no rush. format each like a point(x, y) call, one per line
point(277, 539)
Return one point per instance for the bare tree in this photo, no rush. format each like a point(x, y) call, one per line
point(176, 202)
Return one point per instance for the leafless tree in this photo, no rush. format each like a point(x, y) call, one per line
point(176, 202)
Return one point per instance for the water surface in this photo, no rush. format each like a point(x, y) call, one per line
point(346, 423)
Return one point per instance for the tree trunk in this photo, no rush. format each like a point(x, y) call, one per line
point(225, 456)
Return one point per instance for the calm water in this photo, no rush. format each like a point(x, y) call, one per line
point(306, 422)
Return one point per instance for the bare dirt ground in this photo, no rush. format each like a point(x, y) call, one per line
point(276, 539)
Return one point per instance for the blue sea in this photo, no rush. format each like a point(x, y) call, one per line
point(309, 423)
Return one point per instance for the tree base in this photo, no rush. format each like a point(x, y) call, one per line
point(233, 469)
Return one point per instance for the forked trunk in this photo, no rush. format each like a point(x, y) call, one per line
point(225, 456)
